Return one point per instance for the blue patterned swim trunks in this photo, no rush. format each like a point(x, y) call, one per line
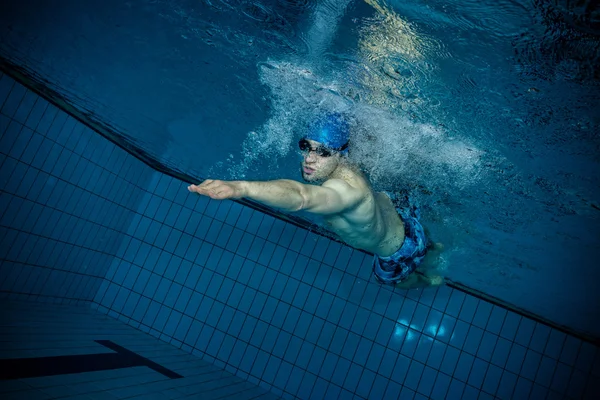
point(397, 267)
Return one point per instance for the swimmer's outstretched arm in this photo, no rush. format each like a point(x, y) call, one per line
point(283, 194)
point(334, 196)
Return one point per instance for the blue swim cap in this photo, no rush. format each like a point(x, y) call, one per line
point(332, 130)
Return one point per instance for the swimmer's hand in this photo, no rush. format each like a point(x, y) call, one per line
point(219, 190)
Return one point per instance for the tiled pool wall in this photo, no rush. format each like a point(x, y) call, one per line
point(272, 303)
point(68, 197)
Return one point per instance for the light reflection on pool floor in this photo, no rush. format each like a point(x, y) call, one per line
point(403, 330)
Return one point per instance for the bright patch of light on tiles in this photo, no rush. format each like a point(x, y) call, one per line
point(400, 329)
point(435, 330)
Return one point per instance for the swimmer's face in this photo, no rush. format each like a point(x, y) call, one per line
point(316, 168)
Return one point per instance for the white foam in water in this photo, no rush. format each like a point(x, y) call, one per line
point(392, 149)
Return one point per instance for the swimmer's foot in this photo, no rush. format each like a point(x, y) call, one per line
point(434, 280)
point(416, 280)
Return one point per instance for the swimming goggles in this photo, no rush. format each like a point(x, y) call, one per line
point(320, 150)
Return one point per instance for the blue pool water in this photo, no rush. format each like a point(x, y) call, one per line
point(500, 143)
point(83, 222)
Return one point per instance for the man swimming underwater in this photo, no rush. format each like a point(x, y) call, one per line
point(341, 194)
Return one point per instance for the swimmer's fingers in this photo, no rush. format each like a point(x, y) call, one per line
point(202, 188)
point(218, 190)
point(208, 184)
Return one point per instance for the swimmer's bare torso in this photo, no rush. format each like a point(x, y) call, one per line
point(372, 224)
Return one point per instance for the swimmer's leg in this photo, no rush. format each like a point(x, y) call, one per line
point(433, 253)
point(429, 270)
point(431, 245)
point(431, 260)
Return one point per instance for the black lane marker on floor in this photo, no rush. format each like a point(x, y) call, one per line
point(18, 368)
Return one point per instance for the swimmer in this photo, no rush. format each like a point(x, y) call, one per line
point(340, 193)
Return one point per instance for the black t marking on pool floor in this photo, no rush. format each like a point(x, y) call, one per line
point(19, 368)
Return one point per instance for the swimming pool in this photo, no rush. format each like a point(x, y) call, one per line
point(511, 239)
